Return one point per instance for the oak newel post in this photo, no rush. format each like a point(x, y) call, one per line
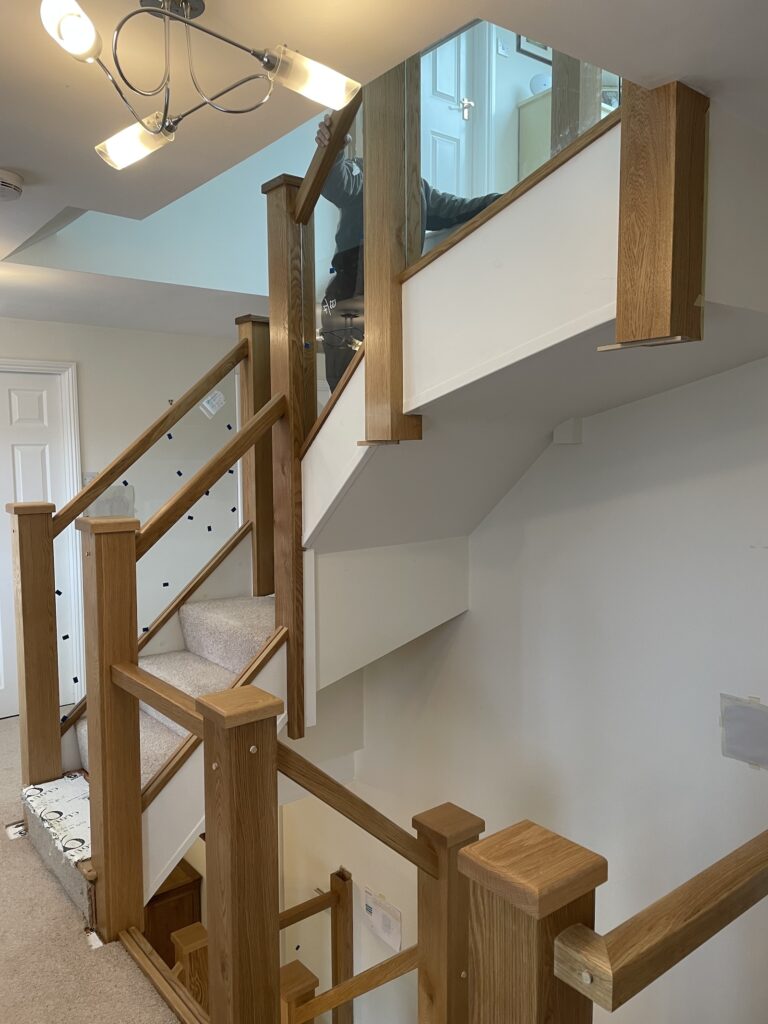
point(526, 885)
point(443, 904)
point(38, 668)
point(240, 737)
point(114, 760)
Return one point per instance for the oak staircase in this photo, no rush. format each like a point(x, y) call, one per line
point(179, 742)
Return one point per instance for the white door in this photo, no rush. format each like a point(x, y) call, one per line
point(33, 457)
point(452, 154)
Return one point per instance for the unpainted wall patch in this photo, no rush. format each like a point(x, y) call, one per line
point(744, 724)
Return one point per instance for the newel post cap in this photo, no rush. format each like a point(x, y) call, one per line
point(107, 524)
point(30, 508)
point(536, 870)
point(231, 708)
point(448, 825)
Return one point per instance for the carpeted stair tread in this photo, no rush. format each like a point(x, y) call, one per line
point(158, 742)
point(190, 673)
point(230, 631)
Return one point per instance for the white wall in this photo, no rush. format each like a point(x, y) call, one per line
point(615, 592)
point(125, 380)
point(214, 237)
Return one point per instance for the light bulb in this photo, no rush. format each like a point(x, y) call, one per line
point(134, 143)
point(67, 23)
point(315, 81)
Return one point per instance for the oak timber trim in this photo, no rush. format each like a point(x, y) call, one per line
point(611, 969)
point(335, 396)
point(168, 986)
point(197, 581)
point(144, 442)
point(74, 715)
point(355, 809)
point(183, 500)
point(187, 747)
point(164, 697)
point(590, 136)
point(661, 214)
point(367, 981)
point(287, 297)
point(389, 104)
point(315, 905)
point(324, 158)
point(255, 389)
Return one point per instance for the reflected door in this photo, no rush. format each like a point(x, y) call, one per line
point(447, 119)
point(32, 453)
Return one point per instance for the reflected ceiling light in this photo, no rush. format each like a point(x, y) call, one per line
point(67, 23)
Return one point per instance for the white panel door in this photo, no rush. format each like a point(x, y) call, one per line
point(32, 459)
point(452, 151)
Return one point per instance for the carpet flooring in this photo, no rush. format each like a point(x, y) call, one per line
point(48, 972)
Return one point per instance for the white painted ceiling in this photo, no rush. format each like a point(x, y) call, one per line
point(65, 296)
point(54, 109)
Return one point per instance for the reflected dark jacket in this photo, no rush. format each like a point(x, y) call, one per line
point(344, 188)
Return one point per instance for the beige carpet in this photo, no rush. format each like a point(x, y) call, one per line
point(48, 973)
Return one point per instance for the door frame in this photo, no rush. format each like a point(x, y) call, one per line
point(70, 421)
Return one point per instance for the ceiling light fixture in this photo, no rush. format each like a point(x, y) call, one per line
point(67, 23)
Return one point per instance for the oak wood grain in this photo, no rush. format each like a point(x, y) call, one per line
point(181, 502)
point(242, 866)
point(114, 760)
point(191, 948)
point(96, 487)
point(386, 203)
point(342, 939)
point(36, 640)
point(355, 809)
point(287, 295)
point(164, 697)
point(256, 464)
point(443, 916)
point(170, 988)
point(367, 981)
point(324, 158)
point(630, 957)
point(558, 161)
point(533, 868)
point(661, 213)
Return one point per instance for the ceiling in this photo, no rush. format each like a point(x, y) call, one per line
point(65, 296)
point(56, 109)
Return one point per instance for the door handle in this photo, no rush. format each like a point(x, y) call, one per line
point(465, 106)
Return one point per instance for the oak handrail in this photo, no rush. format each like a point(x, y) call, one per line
point(376, 976)
point(314, 430)
point(536, 177)
point(206, 477)
point(74, 715)
point(324, 901)
point(164, 697)
point(355, 809)
point(323, 159)
point(197, 581)
point(96, 487)
point(187, 747)
point(611, 969)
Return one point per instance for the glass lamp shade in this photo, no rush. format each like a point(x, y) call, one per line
point(315, 81)
point(68, 24)
point(134, 143)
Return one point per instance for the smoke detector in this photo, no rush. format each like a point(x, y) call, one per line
point(11, 186)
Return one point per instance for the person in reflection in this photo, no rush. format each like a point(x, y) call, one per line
point(342, 306)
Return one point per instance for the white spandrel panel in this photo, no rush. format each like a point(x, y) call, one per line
point(31, 472)
point(28, 407)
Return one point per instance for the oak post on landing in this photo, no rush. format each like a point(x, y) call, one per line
point(526, 886)
point(242, 890)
